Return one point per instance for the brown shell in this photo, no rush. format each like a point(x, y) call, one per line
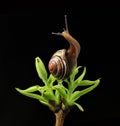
point(58, 65)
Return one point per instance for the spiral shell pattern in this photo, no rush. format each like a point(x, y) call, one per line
point(58, 64)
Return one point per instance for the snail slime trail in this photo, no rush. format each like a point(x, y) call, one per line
point(63, 61)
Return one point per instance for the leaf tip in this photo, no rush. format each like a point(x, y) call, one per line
point(85, 68)
point(79, 106)
point(37, 59)
point(18, 89)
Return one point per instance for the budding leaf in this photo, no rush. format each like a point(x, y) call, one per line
point(32, 95)
point(77, 94)
point(61, 89)
point(48, 95)
point(51, 80)
point(57, 96)
point(79, 106)
point(72, 76)
point(76, 82)
point(79, 79)
point(31, 89)
point(41, 70)
point(86, 83)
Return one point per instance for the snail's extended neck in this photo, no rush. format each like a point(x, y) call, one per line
point(74, 45)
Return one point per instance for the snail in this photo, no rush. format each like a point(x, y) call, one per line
point(63, 62)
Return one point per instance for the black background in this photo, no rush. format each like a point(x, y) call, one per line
point(26, 33)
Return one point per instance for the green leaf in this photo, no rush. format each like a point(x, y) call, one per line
point(32, 89)
point(32, 95)
point(79, 106)
point(77, 94)
point(44, 102)
point(42, 89)
point(48, 95)
point(85, 91)
point(41, 70)
point(86, 83)
point(61, 89)
point(51, 80)
point(72, 76)
point(79, 79)
point(73, 85)
point(57, 97)
point(74, 96)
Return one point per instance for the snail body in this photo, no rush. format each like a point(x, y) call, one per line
point(63, 62)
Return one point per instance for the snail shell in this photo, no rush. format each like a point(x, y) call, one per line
point(64, 61)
